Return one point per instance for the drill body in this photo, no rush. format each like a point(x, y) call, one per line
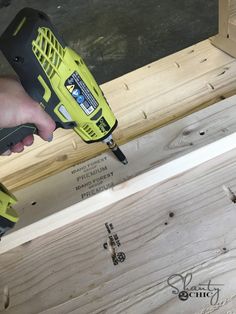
point(56, 77)
point(8, 216)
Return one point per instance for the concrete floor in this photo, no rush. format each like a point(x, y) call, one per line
point(117, 36)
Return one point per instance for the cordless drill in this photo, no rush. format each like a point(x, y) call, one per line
point(57, 78)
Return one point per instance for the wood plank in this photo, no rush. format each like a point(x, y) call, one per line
point(142, 100)
point(232, 9)
point(232, 30)
point(169, 151)
point(224, 11)
point(231, 21)
point(225, 44)
point(226, 39)
point(184, 225)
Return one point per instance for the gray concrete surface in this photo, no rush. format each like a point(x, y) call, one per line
point(117, 36)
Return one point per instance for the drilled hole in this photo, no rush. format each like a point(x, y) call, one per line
point(171, 214)
point(202, 132)
point(33, 203)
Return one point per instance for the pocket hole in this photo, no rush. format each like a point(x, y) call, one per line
point(229, 193)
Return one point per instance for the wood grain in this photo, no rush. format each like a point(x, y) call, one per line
point(142, 100)
point(184, 225)
point(169, 151)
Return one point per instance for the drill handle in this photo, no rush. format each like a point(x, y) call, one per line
point(12, 136)
point(16, 45)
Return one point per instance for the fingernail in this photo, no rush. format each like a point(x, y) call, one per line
point(7, 153)
point(50, 138)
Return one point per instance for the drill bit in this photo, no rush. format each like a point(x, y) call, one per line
point(116, 150)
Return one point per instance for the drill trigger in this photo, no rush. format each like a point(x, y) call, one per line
point(66, 125)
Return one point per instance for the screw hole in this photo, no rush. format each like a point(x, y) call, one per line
point(33, 203)
point(202, 132)
point(171, 214)
point(224, 250)
point(166, 223)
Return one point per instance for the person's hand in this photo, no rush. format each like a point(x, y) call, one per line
point(17, 107)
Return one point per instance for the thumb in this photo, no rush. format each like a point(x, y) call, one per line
point(44, 123)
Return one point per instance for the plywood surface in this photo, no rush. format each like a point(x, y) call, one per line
point(184, 225)
point(142, 101)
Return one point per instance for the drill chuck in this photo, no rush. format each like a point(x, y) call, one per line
point(116, 150)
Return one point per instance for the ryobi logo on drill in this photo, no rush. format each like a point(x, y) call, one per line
point(103, 125)
point(80, 92)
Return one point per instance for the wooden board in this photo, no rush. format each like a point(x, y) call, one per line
point(184, 225)
point(226, 38)
point(224, 11)
point(142, 100)
point(169, 151)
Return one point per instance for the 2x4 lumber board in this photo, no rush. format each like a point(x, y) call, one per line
point(169, 151)
point(227, 14)
point(224, 13)
point(226, 39)
point(143, 100)
point(184, 225)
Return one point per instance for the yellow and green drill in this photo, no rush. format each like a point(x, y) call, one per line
point(56, 77)
point(8, 216)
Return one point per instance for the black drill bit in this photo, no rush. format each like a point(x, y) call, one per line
point(116, 151)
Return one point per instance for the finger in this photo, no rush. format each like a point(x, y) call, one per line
point(18, 148)
point(28, 140)
point(44, 123)
point(6, 153)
